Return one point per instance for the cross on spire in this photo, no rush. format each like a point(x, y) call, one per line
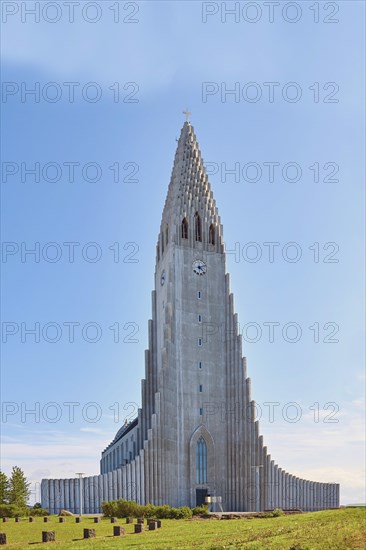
point(187, 113)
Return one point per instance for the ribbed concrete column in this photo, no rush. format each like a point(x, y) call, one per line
point(253, 445)
point(323, 495)
point(67, 494)
point(280, 488)
point(336, 495)
point(129, 481)
point(301, 495)
point(268, 482)
point(133, 481)
point(119, 483)
point(305, 495)
point(124, 482)
point(90, 495)
point(94, 504)
point(137, 479)
point(100, 489)
point(114, 485)
point(287, 495)
point(45, 501)
point(147, 472)
point(275, 486)
point(57, 495)
point(314, 496)
point(142, 480)
point(71, 495)
point(105, 487)
point(110, 485)
point(273, 481)
point(296, 492)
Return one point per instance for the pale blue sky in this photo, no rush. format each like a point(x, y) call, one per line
point(169, 53)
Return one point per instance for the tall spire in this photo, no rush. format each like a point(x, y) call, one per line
point(189, 193)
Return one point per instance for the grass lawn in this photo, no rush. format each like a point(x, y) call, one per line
point(329, 530)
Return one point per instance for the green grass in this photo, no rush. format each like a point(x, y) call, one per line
point(329, 530)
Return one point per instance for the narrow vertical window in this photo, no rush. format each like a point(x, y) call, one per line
point(201, 461)
point(211, 234)
point(166, 235)
point(197, 227)
point(200, 341)
point(184, 229)
point(200, 364)
point(200, 318)
point(199, 294)
point(201, 388)
point(162, 243)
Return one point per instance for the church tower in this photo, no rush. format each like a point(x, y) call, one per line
point(196, 433)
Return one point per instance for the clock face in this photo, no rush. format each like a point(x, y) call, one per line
point(199, 267)
point(162, 280)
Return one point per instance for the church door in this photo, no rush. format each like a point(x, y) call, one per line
point(200, 496)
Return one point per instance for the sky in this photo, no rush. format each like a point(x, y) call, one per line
point(276, 95)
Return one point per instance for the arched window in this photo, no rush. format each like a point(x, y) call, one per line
point(201, 461)
point(197, 227)
point(184, 229)
point(211, 234)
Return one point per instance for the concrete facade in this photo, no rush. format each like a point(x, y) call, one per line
point(196, 432)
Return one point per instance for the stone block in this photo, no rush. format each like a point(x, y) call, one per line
point(139, 527)
point(113, 520)
point(118, 531)
point(153, 525)
point(46, 519)
point(48, 536)
point(2, 538)
point(89, 534)
point(17, 520)
point(31, 520)
point(140, 520)
point(129, 520)
point(96, 520)
point(5, 520)
point(77, 520)
point(61, 520)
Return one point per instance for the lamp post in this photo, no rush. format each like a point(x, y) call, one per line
point(257, 492)
point(80, 476)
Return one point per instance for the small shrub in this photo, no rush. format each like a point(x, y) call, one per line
point(278, 512)
point(183, 512)
point(39, 512)
point(149, 511)
point(198, 510)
